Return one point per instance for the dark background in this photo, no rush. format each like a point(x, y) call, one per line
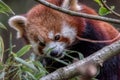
point(22, 6)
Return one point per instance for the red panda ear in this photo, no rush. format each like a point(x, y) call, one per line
point(71, 4)
point(18, 23)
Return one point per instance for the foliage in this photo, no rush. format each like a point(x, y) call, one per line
point(28, 69)
point(103, 10)
point(2, 26)
point(4, 8)
point(15, 68)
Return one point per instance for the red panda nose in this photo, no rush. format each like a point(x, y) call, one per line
point(54, 53)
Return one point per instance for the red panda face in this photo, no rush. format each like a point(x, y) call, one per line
point(46, 29)
point(44, 32)
point(49, 30)
point(59, 41)
point(54, 36)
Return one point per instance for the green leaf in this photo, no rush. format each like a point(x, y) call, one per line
point(103, 11)
point(24, 68)
point(42, 71)
point(5, 8)
point(31, 75)
point(25, 63)
point(72, 52)
point(2, 26)
point(40, 66)
point(61, 61)
point(24, 50)
point(1, 48)
point(98, 2)
point(39, 75)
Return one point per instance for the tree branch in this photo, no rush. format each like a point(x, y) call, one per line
point(73, 13)
point(76, 69)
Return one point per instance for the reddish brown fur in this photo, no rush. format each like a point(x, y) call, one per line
point(41, 20)
point(108, 31)
point(88, 10)
point(52, 20)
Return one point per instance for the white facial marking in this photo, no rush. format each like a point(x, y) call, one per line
point(35, 46)
point(51, 35)
point(57, 46)
point(68, 32)
point(79, 7)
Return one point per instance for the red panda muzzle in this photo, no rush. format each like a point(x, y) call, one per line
point(55, 54)
point(56, 49)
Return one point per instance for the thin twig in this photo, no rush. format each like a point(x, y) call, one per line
point(73, 13)
point(108, 8)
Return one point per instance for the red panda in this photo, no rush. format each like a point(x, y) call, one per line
point(45, 28)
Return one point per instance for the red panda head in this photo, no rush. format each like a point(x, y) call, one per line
point(46, 28)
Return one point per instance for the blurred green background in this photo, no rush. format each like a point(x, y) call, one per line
point(22, 6)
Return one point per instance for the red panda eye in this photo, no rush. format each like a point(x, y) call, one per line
point(57, 37)
point(42, 44)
